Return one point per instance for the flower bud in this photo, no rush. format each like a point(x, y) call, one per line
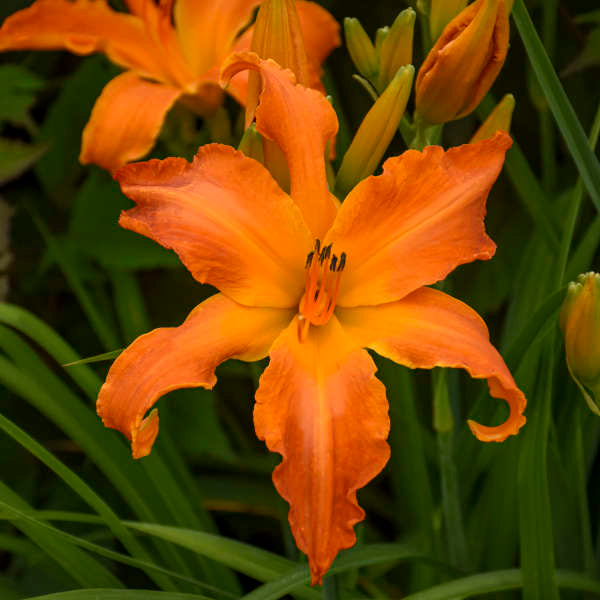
point(361, 49)
point(441, 12)
point(580, 324)
point(464, 62)
point(375, 132)
point(396, 48)
point(498, 120)
point(277, 35)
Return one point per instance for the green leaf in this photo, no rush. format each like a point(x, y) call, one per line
point(498, 581)
point(98, 358)
point(19, 86)
point(103, 594)
point(252, 561)
point(83, 568)
point(82, 490)
point(16, 157)
point(59, 169)
point(535, 519)
point(26, 517)
point(95, 230)
point(361, 556)
point(566, 118)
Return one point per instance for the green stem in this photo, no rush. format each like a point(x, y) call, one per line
point(453, 520)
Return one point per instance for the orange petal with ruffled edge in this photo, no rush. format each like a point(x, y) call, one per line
point(125, 121)
point(207, 28)
point(226, 218)
point(320, 406)
point(82, 27)
point(417, 221)
point(431, 329)
point(301, 122)
point(172, 358)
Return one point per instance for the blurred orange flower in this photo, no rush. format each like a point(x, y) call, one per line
point(464, 62)
point(172, 50)
point(312, 306)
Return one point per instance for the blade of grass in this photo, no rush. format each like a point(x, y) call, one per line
point(564, 114)
point(104, 594)
point(19, 516)
point(411, 484)
point(34, 328)
point(42, 390)
point(83, 568)
point(250, 560)
point(169, 500)
point(361, 556)
point(85, 493)
point(547, 131)
point(498, 581)
point(535, 519)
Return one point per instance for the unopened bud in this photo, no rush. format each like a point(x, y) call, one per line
point(361, 49)
point(441, 12)
point(277, 35)
point(498, 120)
point(396, 48)
point(375, 132)
point(464, 62)
point(580, 324)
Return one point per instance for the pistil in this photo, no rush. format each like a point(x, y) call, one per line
point(322, 285)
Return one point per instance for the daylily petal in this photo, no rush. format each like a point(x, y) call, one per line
point(125, 120)
point(301, 122)
point(208, 28)
point(171, 358)
point(321, 33)
point(417, 221)
point(428, 329)
point(226, 218)
point(82, 27)
point(320, 406)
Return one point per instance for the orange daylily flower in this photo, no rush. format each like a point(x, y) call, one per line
point(172, 49)
point(311, 284)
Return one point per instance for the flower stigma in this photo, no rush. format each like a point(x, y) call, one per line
point(323, 275)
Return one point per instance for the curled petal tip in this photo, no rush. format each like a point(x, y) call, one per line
point(143, 434)
point(511, 426)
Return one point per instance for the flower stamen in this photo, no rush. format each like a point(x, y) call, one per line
point(322, 285)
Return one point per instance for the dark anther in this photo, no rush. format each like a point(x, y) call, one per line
point(309, 258)
point(342, 261)
point(333, 263)
point(318, 245)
